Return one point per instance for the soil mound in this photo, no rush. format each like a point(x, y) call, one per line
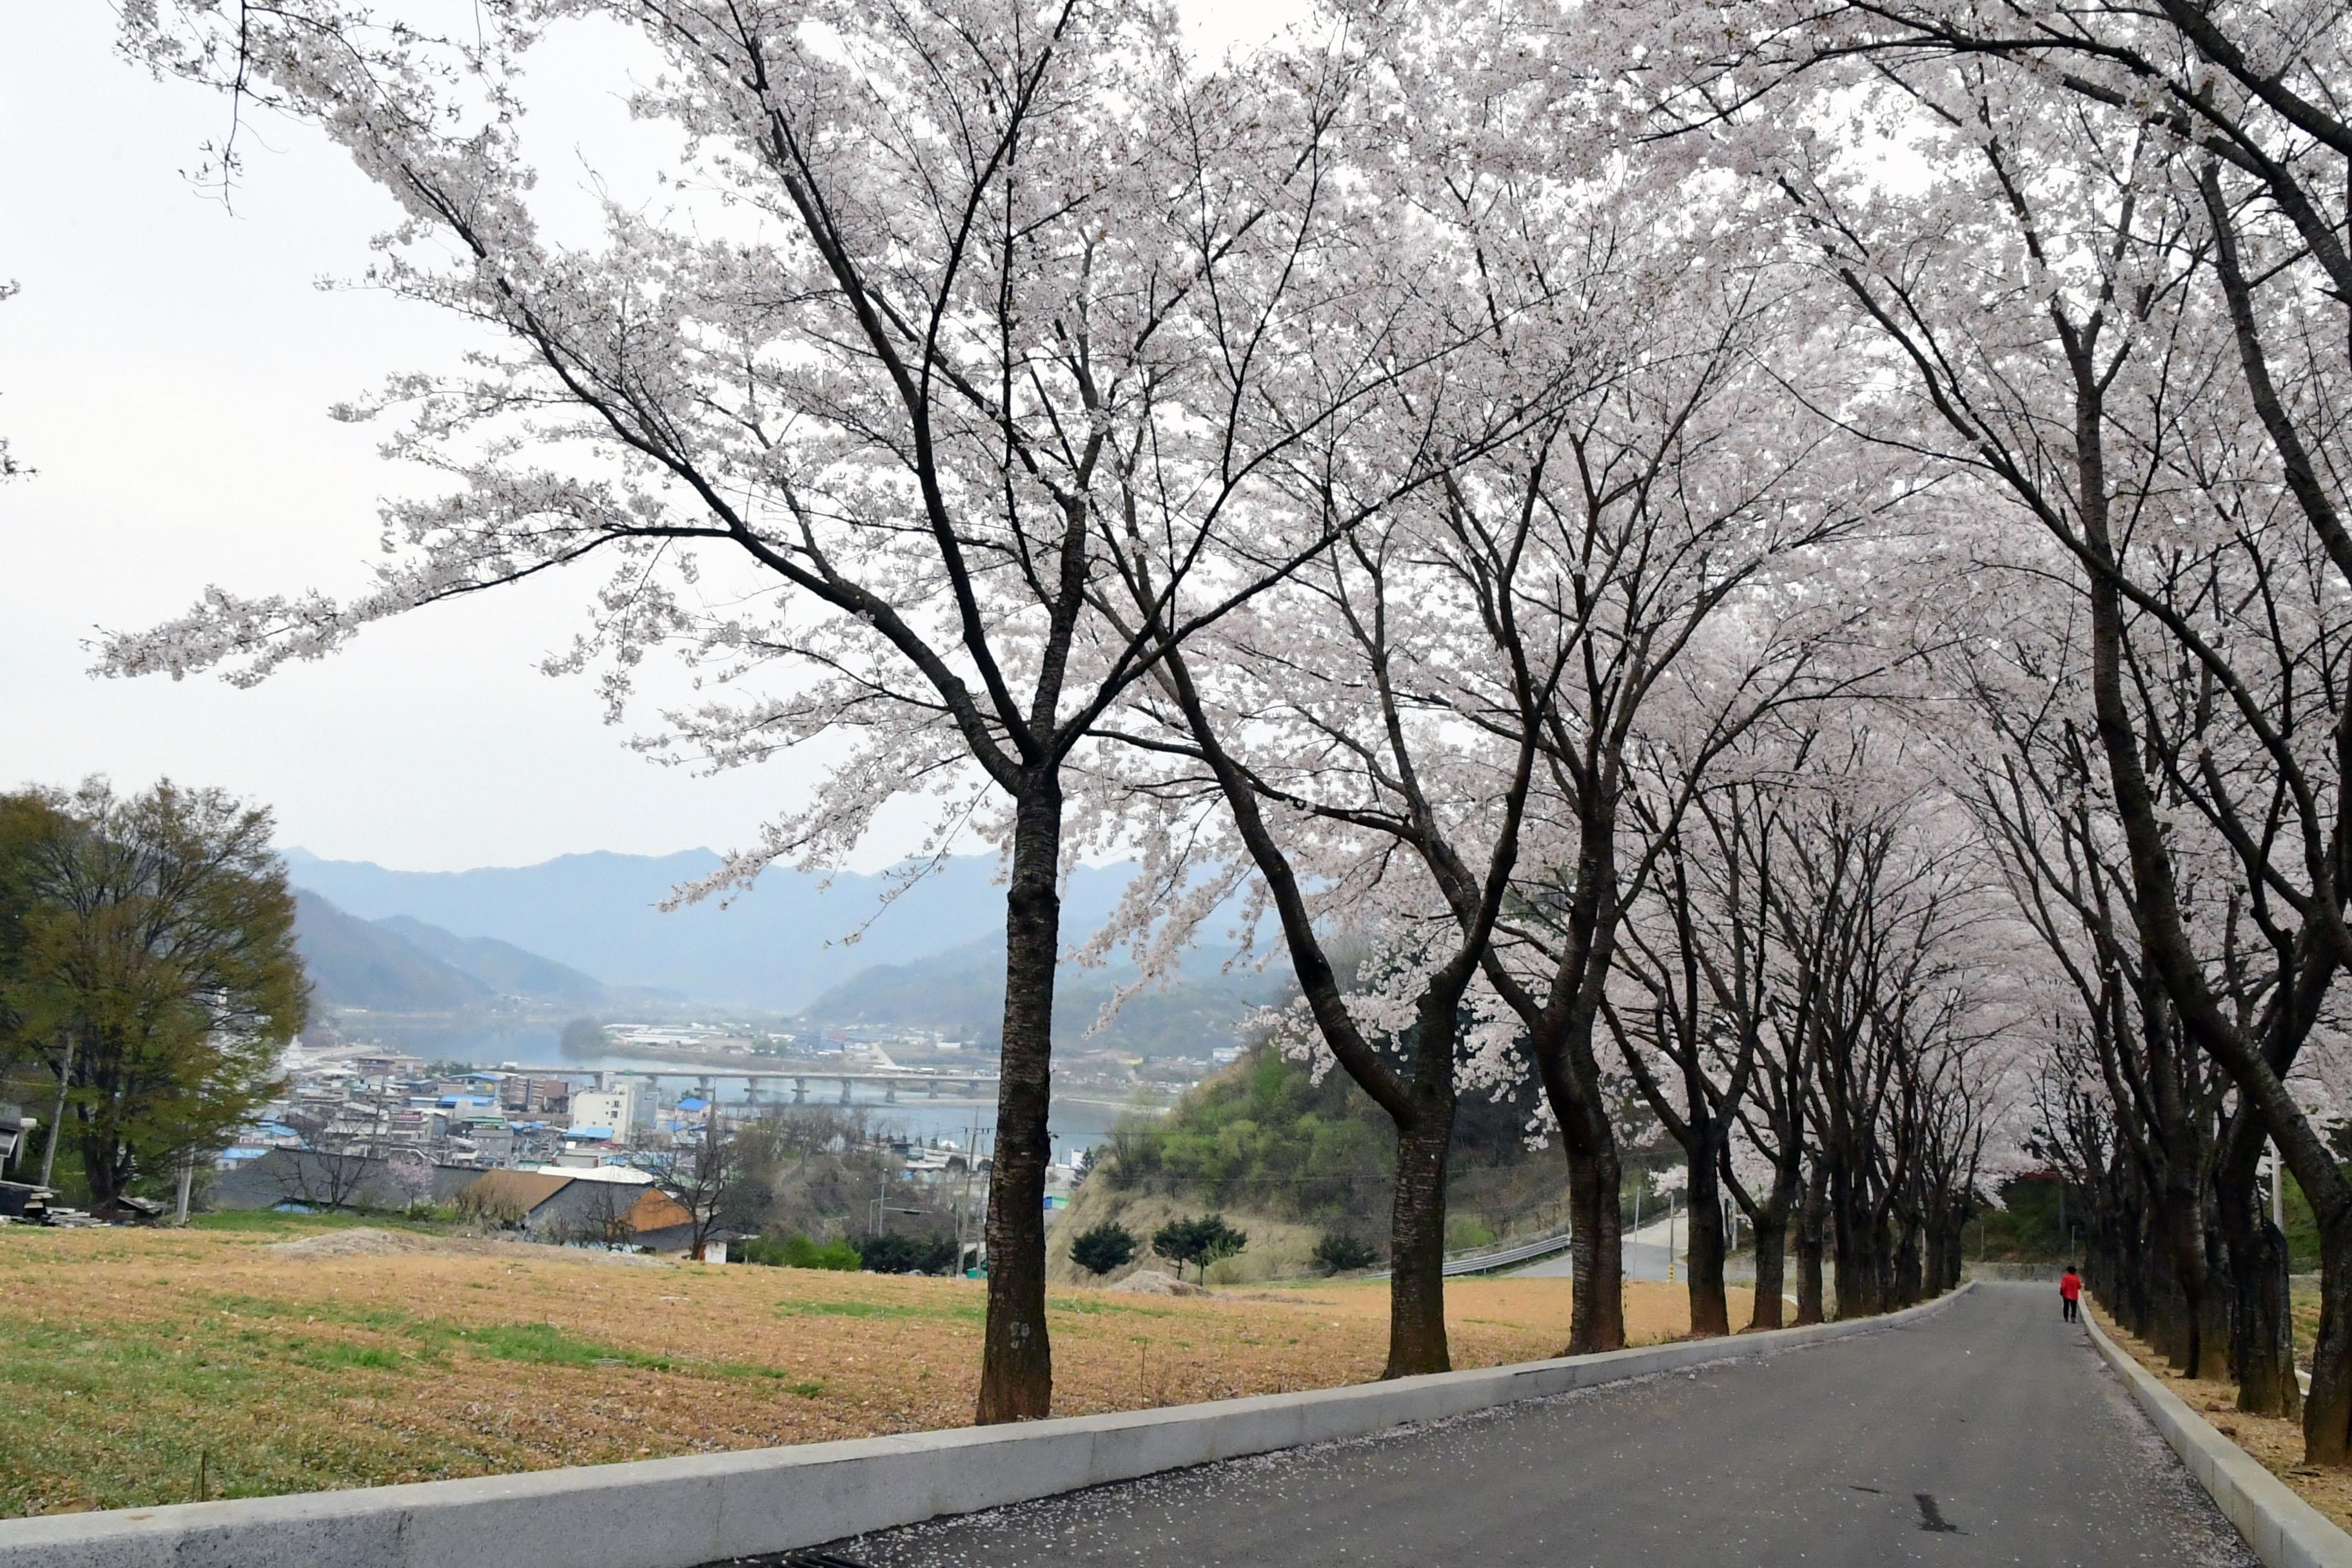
point(1152, 1282)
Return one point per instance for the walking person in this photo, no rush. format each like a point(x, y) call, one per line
point(2069, 1294)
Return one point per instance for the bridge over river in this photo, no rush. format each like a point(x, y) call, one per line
point(1987, 1433)
point(930, 1082)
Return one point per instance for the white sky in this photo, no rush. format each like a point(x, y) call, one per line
point(168, 370)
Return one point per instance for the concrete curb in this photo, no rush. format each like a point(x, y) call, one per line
point(677, 1514)
point(2283, 1531)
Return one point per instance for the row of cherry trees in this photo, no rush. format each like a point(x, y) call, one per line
point(1781, 563)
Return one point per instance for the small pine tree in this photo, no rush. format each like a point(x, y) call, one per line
point(1107, 1246)
point(1199, 1241)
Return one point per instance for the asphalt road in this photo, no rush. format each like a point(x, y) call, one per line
point(1989, 1433)
point(1645, 1253)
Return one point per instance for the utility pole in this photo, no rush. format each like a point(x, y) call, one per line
point(963, 1197)
point(2278, 1190)
point(57, 1121)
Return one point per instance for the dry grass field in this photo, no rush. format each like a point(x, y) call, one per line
point(274, 1357)
point(2276, 1442)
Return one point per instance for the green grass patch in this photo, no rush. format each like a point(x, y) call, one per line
point(969, 1313)
point(428, 1339)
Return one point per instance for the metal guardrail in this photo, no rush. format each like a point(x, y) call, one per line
point(1488, 1262)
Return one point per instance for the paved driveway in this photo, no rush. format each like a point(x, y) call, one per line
point(1989, 1433)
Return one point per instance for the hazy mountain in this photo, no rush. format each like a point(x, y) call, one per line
point(778, 945)
point(354, 962)
point(960, 993)
point(504, 967)
point(403, 965)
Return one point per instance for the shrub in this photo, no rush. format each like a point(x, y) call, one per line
point(797, 1251)
point(1337, 1252)
point(478, 1208)
point(892, 1254)
point(1467, 1232)
point(1107, 1246)
point(1199, 1241)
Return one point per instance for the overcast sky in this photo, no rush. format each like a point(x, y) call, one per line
point(168, 370)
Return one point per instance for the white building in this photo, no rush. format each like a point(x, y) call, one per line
point(619, 1108)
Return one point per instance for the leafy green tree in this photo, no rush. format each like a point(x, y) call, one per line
point(1108, 1246)
point(1199, 1241)
point(149, 967)
point(582, 1038)
point(1337, 1252)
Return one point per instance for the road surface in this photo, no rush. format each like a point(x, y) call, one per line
point(1988, 1433)
point(1645, 1252)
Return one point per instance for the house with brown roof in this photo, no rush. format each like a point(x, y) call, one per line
point(566, 1209)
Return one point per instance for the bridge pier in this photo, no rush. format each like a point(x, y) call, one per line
point(800, 1091)
point(844, 1091)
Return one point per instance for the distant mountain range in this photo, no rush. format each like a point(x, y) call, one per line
point(460, 943)
point(778, 946)
point(403, 965)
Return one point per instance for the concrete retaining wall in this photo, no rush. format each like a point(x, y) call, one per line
point(675, 1513)
point(2285, 1530)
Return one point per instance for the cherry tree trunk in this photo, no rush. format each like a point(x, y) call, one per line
point(1909, 1272)
point(2327, 1409)
point(2128, 1294)
point(1954, 1229)
point(1861, 1265)
point(1812, 1240)
point(1016, 1374)
point(2265, 1323)
point(1417, 1245)
point(1710, 1312)
point(2261, 1328)
point(1596, 1249)
point(1771, 1268)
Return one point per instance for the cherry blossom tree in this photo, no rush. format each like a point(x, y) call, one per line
point(947, 320)
point(1690, 496)
point(2058, 298)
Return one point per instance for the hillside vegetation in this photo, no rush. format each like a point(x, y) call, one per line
point(1288, 1158)
point(960, 993)
point(403, 965)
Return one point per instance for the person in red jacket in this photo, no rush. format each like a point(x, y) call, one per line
point(2069, 1294)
